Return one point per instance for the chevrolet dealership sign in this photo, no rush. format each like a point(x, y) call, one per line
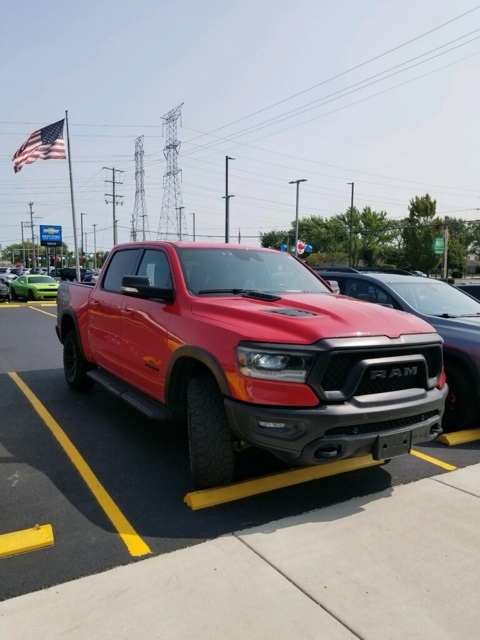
point(50, 236)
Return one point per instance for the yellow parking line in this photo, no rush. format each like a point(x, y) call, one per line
point(37, 537)
point(439, 463)
point(459, 437)
point(219, 495)
point(52, 315)
point(134, 543)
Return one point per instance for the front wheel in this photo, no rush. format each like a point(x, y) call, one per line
point(75, 366)
point(13, 294)
point(461, 407)
point(212, 455)
point(30, 295)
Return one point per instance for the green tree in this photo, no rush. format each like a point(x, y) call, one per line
point(420, 230)
point(374, 233)
point(275, 239)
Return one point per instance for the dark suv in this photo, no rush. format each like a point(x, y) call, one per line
point(454, 314)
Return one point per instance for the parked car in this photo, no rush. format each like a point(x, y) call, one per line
point(472, 289)
point(4, 292)
point(70, 273)
point(7, 277)
point(91, 277)
point(34, 287)
point(454, 314)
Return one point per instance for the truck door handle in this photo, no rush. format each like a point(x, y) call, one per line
point(127, 311)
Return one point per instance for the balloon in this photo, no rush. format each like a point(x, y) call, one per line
point(283, 247)
point(300, 246)
point(308, 248)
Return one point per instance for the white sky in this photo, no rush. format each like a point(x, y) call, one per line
point(118, 67)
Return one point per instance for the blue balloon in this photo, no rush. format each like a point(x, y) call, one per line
point(308, 248)
point(283, 247)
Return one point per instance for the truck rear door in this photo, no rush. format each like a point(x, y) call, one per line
point(105, 311)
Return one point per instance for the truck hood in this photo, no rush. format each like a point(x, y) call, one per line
point(306, 318)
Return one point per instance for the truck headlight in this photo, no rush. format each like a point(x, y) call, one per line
point(266, 364)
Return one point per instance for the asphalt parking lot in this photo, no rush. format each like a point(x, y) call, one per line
point(141, 468)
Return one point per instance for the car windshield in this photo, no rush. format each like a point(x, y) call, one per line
point(436, 298)
point(213, 270)
point(40, 280)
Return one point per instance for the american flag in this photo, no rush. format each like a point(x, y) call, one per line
point(46, 143)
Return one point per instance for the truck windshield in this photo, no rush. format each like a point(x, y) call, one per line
point(213, 270)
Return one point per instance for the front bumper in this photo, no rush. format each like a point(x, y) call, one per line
point(372, 424)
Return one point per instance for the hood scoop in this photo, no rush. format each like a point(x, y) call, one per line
point(293, 313)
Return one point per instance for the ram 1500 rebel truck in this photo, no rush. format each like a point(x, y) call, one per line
point(251, 348)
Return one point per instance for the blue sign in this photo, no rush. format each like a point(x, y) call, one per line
point(50, 236)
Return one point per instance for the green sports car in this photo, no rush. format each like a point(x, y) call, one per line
point(33, 287)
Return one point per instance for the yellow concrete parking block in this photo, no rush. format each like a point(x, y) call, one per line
point(459, 437)
point(246, 488)
point(27, 540)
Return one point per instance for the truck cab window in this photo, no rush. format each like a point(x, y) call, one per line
point(155, 266)
point(122, 264)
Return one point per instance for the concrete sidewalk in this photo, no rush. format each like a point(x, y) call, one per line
point(404, 563)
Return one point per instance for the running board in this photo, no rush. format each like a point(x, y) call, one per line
point(150, 408)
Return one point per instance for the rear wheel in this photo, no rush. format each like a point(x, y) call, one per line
point(461, 407)
point(212, 455)
point(75, 366)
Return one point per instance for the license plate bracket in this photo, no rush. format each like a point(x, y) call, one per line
point(395, 444)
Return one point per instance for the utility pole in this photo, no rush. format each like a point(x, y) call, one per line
point(24, 224)
point(227, 201)
point(445, 252)
point(351, 227)
point(94, 246)
point(193, 214)
point(297, 182)
point(180, 209)
point(116, 199)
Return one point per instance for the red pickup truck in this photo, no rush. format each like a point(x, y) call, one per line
point(251, 348)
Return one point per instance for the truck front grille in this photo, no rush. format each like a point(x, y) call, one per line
point(341, 373)
point(381, 427)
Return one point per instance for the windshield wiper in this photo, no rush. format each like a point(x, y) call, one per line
point(470, 315)
point(445, 315)
point(245, 293)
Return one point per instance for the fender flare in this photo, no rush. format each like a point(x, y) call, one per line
point(204, 357)
point(68, 313)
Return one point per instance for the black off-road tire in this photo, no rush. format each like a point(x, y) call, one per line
point(212, 454)
point(461, 410)
point(75, 366)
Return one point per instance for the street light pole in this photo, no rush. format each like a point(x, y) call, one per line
point(351, 227)
point(297, 182)
point(227, 202)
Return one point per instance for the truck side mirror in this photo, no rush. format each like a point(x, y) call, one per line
point(140, 287)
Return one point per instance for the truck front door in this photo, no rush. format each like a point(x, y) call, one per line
point(144, 329)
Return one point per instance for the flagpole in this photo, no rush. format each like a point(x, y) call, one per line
point(77, 260)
